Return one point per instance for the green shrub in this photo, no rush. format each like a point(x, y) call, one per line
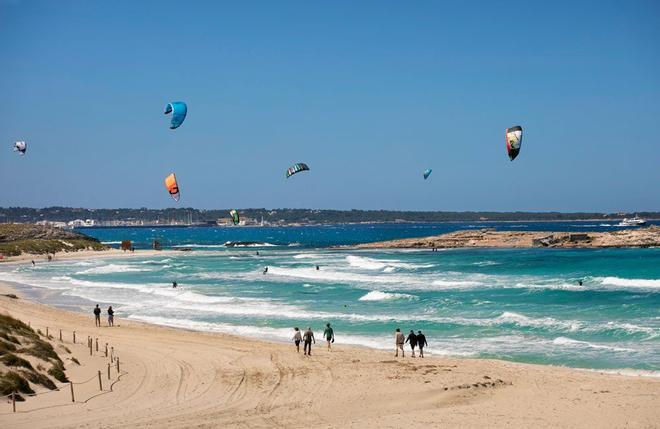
point(39, 378)
point(11, 381)
point(11, 359)
point(6, 347)
point(42, 350)
point(57, 371)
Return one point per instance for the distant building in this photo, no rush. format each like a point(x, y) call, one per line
point(78, 223)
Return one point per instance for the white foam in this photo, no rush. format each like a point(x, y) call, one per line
point(563, 341)
point(628, 372)
point(308, 256)
point(113, 268)
point(632, 283)
point(376, 295)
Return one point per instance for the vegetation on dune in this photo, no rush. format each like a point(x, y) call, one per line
point(11, 359)
point(17, 341)
point(11, 381)
point(57, 371)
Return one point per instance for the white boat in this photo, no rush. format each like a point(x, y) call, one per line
point(633, 221)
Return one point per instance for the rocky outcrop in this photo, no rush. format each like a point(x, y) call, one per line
point(638, 237)
point(16, 239)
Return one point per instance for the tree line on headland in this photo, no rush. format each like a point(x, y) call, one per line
point(290, 216)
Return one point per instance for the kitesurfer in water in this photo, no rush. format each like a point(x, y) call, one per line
point(175, 284)
point(265, 270)
point(580, 282)
point(317, 268)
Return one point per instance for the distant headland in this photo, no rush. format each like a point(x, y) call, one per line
point(83, 217)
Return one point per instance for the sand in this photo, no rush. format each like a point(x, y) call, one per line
point(86, 254)
point(176, 378)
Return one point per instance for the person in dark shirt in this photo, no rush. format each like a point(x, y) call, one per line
point(421, 343)
point(412, 339)
point(97, 315)
point(175, 284)
point(111, 316)
point(308, 337)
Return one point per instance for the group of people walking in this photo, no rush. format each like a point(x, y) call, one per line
point(415, 340)
point(97, 316)
point(307, 338)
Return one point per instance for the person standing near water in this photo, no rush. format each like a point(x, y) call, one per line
point(412, 339)
point(421, 343)
point(97, 316)
point(111, 316)
point(329, 335)
point(308, 337)
point(399, 341)
point(297, 338)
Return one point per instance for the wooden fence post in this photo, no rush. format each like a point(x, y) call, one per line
point(74, 337)
point(108, 371)
point(117, 365)
point(47, 336)
point(60, 335)
point(112, 353)
point(97, 344)
point(100, 385)
point(13, 400)
point(73, 398)
point(106, 349)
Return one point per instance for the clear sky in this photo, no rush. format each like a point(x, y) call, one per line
point(368, 93)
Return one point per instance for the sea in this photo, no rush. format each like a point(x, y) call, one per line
point(523, 305)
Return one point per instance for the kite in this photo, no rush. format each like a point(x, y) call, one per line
point(234, 216)
point(295, 168)
point(513, 141)
point(172, 186)
point(21, 147)
point(179, 110)
point(427, 173)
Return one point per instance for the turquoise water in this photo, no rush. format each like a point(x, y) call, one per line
point(520, 305)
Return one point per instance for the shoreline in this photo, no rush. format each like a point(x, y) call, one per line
point(179, 378)
point(37, 292)
point(8, 287)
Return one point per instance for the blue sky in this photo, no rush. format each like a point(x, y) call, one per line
point(369, 94)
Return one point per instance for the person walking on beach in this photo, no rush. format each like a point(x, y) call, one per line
point(421, 343)
point(399, 341)
point(297, 338)
point(412, 339)
point(308, 337)
point(97, 316)
point(111, 316)
point(329, 335)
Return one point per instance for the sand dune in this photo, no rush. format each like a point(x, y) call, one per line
point(176, 378)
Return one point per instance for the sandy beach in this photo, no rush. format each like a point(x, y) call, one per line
point(177, 378)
